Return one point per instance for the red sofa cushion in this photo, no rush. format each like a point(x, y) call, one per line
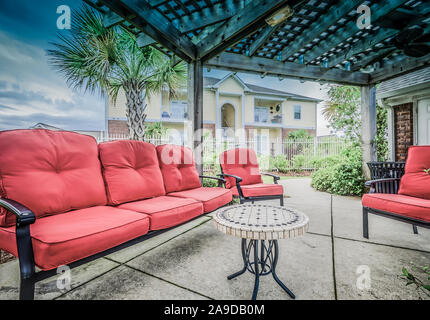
point(415, 182)
point(259, 189)
point(165, 212)
point(212, 198)
point(178, 168)
point(130, 170)
point(50, 172)
point(63, 238)
point(242, 163)
point(400, 204)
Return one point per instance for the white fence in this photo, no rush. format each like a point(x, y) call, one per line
point(299, 154)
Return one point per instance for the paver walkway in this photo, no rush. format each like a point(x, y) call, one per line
point(192, 261)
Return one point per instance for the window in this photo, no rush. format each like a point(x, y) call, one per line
point(261, 114)
point(178, 109)
point(297, 112)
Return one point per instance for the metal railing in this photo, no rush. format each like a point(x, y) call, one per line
point(300, 154)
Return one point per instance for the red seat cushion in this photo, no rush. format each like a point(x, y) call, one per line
point(400, 204)
point(212, 198)
point(165, 212)
point(178, 168)
point(63, 238)
point(50, 172)
point(131, 171)
point(416, 182)
point(242, 163)
point(259, 189)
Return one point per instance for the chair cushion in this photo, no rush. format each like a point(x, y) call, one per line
point(259, 189)
point(130, 170)
point(50, 172)
point(63, 238)
point(178, 168)
point(400, 204)
point(416, 182)
point(212, 198)
point(242, 163)
point(165, 212)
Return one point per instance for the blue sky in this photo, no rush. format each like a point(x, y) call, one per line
point(32, 91)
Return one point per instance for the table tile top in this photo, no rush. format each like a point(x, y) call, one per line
point(261, 222)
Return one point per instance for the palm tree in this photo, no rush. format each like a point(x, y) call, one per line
point(100, 59)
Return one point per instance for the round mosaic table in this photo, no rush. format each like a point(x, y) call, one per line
point(260, 226)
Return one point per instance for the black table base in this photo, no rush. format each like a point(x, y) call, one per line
point(260, 262)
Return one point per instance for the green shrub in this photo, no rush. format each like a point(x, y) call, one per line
point(325, 162)
point(344, 177)
point(298, 162)
point(280, 163)
point(210, 183)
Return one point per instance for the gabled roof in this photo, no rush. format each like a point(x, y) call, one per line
point(211, 82)
point(41, 125)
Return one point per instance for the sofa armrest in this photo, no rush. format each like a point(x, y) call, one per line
point(274, 176)
point(238, 180)
point(386, 185)
point(24, 216)
point(221, 181)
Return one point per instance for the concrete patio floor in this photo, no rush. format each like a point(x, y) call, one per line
point(192, 261)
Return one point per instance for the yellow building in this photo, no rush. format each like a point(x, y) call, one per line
point(230, 105)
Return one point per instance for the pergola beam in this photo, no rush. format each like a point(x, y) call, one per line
point(319, 26)
point(379, 9)
point(247, 21)
point(264, 35)
point(368, 127)
point(372, 57)
point(206, 17)
point(241, 63)
point(397, 68)
point(155, 25)
point(367, 43)
point(361, 46)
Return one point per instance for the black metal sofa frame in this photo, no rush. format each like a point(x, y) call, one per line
point(25, 217)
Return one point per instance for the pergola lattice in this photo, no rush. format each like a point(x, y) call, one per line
point(320, 41)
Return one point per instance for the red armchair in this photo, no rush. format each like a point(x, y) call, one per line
point(406, 199)
point(240, 169)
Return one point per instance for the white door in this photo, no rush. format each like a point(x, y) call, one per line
point(424, 122)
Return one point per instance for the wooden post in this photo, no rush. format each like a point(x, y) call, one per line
point(368, 126)
point(195, 103)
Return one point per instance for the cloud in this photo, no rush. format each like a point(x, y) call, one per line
point(31, 91)
point(2, 106)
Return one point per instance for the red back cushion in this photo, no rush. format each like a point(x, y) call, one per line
point(416, 181)
point(130, 170)
point(178, 168)
point(50, 171)
point(242, 163)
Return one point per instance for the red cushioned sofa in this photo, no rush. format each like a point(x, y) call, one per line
point(240, 169)
point(406, 199)
point(66, 200)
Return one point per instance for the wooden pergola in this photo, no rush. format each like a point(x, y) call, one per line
point(317, 40)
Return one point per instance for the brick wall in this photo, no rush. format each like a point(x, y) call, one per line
point(403, 130)
point(117, 127)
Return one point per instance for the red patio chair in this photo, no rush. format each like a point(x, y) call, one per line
point(240, 169)
point(406, 199)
